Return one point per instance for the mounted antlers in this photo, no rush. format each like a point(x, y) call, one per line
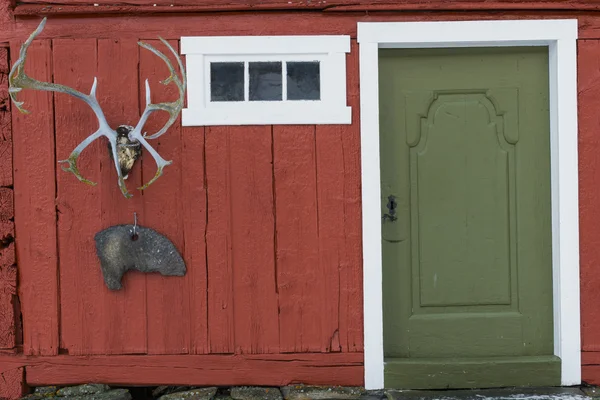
point(124, 137)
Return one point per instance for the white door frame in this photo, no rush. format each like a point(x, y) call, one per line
point(561, 38)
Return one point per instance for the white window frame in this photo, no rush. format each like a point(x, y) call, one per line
point(560, 36)
point(330, 51)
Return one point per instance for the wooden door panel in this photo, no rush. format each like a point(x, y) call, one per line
point(465, 154)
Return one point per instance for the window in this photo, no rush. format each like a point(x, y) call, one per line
point(264, 80)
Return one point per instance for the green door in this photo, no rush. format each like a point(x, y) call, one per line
point(467, 268)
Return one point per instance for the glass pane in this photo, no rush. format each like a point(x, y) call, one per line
point(265, 81)
point(227, 81)
point(303, 80)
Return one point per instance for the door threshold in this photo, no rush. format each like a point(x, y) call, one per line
point(471, 373)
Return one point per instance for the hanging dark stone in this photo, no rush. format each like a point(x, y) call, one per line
point(120, 250)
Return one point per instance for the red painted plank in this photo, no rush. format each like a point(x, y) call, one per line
point(35, 213)
point(332, 250)
point(219, 241)
point(7, 208)
point(590, 358)
point(8, 276)
point(343, 5)
point(220, 370)
point(253, 233)
point(5, 125)
point(13, 384)
point(298, 272)
point(589, 181)
point(351, 273)
point(6, 163)
point(125, 320)
point(194, 214)
point(83, 315)
point(168, 297)
point(173, 26)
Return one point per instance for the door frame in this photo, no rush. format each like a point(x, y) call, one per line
point(560, 36)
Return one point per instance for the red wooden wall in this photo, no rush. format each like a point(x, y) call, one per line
point(267, 217)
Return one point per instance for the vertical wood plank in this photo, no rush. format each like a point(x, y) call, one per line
point(298, 272)
point(167, 297)
point(8, 269)
point(253, 234)
point(194, 212)
point(219, 241)
point(35, 211)
point(6, 167)
point(125, 322)
point(83, 314)
point(351, 292)
point(330, 189)
point(589, 181)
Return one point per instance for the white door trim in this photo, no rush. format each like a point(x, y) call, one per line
point(561, 38)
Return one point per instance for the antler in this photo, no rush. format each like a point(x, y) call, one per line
point(173, 108)
point(18, 81)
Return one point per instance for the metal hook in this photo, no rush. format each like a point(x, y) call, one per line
point(134, 232)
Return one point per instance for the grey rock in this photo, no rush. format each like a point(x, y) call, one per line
point(194, 394)
point(165, 389)
point(592, 391)
point(300, 392)
point(45, 390)
point(90, 388)
point(255, 393)
point(373, 395)
point(36, 397)
point(150, 252)
point(115, 394)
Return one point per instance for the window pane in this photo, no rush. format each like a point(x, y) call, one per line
point(265, 81)
point(227, 81)
point(303, 80)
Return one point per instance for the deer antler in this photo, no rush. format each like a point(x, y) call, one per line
point(173, 108)
point(18, 81)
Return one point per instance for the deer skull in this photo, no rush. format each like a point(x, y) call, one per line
point(18, 81)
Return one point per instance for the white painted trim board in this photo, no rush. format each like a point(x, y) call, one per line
point(561, 38)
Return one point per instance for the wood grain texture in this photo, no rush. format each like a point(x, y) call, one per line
point(589, 179)
point(9, 326)
point(253, 232)
point(194, 214)
point(220, 370)
point(81, 283)
point(351, 273)
point(339, 5)
point(12, 384)
point(219, 256)
point(7, 207)
point(6, 163)
point(8, 271)
point(6, 18)
point(173, 26)
point(35, 212)
point(168, 298)
point(590, 358)
point(299, 277)
point(118, 93)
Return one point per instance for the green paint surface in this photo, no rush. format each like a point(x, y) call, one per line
point(467, 268)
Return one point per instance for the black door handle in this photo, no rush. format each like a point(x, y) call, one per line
point(391, 206)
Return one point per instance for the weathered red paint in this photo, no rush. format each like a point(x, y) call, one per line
point(13, 383)
point(241, 369)
point(168, 299)
point(268, 219)
point(35, 212)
